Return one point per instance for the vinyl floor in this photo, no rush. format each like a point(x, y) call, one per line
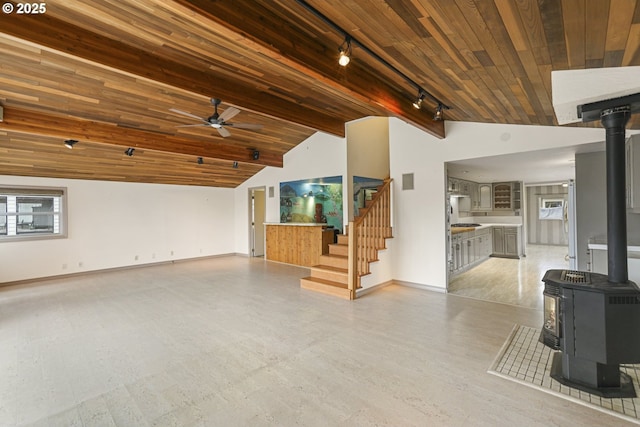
point(233, 341)
point(511, 281)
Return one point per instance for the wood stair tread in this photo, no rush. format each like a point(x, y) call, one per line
point(328, 287)
point(330, 268)
point(326, 282)
point(335, 256)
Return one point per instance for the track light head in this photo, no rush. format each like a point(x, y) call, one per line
point(200, 160)
point(438, 113)
point(417, 104)
point(235, 165)
point(69, 143)
point(129, 151)
point(256, 154)
point(345, 52)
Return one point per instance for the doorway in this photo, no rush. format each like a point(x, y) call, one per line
point(257, 215)
point(548, 223)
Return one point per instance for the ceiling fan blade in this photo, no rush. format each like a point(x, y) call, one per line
point(223, 132)
point(193, 126)
point(252, 126)
point(184, 113)
point(228, 113)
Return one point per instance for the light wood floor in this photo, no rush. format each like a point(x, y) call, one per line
point(511, 281)
point(235, 342)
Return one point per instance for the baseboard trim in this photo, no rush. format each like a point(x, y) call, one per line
point(420, 286)
point(365, 291)
point(106, 270)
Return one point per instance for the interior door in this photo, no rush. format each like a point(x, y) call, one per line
point(258, 214)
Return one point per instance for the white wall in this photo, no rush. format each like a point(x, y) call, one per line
point(367, 153)
point(110, 223)
point(419, 247)
point(321, 155)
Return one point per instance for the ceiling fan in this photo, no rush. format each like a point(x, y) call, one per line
point(219, 121)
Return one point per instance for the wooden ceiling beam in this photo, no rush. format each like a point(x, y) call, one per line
point(276, 38)
point(55, 34)
point(32, 122)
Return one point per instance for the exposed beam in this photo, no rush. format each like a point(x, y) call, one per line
point(312, 58)
point(32, 122)
point(58, 35)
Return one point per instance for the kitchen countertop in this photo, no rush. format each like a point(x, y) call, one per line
point(456, 230)
point(601, 244)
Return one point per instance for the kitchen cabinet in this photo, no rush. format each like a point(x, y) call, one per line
point(507, 196)
point(474, 194)
point(506, 242)
point(516, 196)
point(460, 187)
point(502, 196)
point(469, 249)
point(484, 197)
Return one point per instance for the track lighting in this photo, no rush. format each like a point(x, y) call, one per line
point(417, 104)
point(235, 165)
point(345, 56)
point(69, 143)
point(256, 154)
point(200, 160)
point(438, 114)
point(129, 151)
point(345, 52)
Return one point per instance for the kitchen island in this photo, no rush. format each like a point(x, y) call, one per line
point(297, 243)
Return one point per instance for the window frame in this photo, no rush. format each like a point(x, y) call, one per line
point(18, 191)
point(545, 201)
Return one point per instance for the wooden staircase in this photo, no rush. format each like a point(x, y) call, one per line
point(331, 276)
point(340, 270)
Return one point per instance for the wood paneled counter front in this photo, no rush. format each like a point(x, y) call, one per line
point(299, 244)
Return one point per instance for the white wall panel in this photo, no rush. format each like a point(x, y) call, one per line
point(110, 223)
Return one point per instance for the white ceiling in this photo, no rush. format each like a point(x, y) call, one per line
point(533, 167)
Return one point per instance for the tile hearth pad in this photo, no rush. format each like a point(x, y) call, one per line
point(525, 360)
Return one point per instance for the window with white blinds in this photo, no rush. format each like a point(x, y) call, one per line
point(31, 213)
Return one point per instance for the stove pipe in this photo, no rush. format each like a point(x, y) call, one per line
point(614, 121)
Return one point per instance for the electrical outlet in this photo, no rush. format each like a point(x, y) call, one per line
point(81, 264)
point(171, 253)
point(64, 266)
point(136, 257)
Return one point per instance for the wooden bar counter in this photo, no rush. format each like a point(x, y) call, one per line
point(297, 243)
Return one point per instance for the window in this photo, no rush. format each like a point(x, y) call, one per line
point(30, 213)
point(551, 209)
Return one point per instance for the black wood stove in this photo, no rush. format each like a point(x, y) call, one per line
point(596, 326)
point(594, 319)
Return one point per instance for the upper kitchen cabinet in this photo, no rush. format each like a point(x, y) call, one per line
point(459, 187)
point(484, 195)
point(502, 196)
point(507, 196)
point(517, 196)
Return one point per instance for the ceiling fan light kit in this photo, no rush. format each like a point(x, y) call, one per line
point(217, 120)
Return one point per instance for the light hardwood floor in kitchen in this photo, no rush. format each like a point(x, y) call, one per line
point(233, 341)
point(511, 281)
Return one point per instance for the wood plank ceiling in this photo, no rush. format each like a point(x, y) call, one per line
point(108, 72)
